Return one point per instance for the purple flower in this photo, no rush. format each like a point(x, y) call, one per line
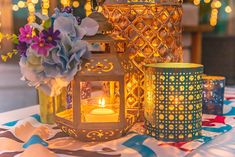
point(26, 34)
point(50, 36)
point(68, 10)
point(22, 48)
point(41, 46)
point(79, 20)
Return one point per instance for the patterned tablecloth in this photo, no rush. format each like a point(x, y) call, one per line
point(30, 138)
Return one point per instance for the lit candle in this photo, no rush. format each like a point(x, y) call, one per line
point(102, 114)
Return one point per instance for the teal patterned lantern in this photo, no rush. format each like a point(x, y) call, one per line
point(173, 101)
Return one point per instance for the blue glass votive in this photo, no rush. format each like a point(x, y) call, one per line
point(213, 94)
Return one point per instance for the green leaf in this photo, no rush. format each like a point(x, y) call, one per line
point(47, 24)
point(15, 39)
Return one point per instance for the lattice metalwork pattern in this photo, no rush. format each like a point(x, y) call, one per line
point(173, 104)
point(153, 32)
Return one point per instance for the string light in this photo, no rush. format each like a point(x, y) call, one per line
point(65, 3)
point(228, 9)
point(197, 2)
point(207, 1)
point(8, 55)
point(214, 12)
point(21, 4)
point(215, 6)
point(45, 7)
point(31, 9)
point(15, 7)
point(88, 8)
point(76, 4)
point(34, 1)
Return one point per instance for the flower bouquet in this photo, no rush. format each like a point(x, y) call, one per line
point(52, 53)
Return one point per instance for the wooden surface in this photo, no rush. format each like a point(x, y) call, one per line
point(196, 49)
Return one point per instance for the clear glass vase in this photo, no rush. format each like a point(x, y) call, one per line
point(50, 105)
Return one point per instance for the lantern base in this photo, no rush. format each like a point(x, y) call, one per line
point(96, 135)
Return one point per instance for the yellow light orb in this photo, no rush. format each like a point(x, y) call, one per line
point(161, 107)
point(214, 11)
point(171, 117)
point(171, 136)
point(228, 9)
point(181, 107)
point(34, 1)
point(171, 126)
point(171, 107)
point(171, 97)
point(75, 4)
point(161, 126)
point(87, 6)
point(190, 116)
point(161, 135)
point(181, 136)
point(161, 116)
point(181, 127)
point(21, 4)
point(196, 2)
point(15, 7)
point(207, 1)
point(181, 117)
point(218, 4)
point(181, 97)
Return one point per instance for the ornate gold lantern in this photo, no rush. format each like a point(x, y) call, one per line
point(96, 104)
point(153, 31)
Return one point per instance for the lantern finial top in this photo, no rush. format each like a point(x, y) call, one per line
point(104, 26)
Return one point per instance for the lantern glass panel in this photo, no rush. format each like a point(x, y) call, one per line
point(100, 101)
point(67, 112)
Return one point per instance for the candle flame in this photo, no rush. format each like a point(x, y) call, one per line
point(102, 102)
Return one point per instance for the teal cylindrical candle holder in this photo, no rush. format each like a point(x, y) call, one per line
point(173, 101)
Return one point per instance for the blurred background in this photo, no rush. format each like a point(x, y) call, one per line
point(208, 38)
